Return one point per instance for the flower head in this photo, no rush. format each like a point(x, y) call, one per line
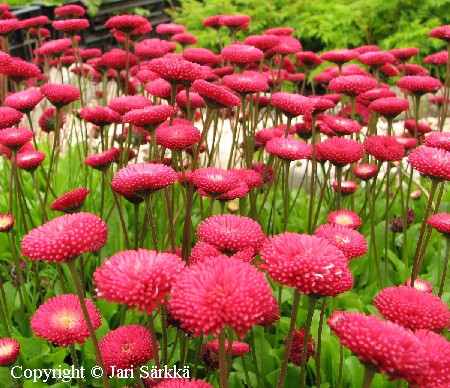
point(345, 218)
point(340, 151)
point(376, 58)
point(241, 53)
point(170, 28)
point(390, 348)
point(141, 278)
point(9, 117)
point(9, 351)
point(175, 70)
point(24, 101)
point(352, 243)
point(153, 48)
point(440, 222)
point(292, 105)
point(246, 82)
point(100, 115)
point(310, 264)
point(231, 233)
point(69, 11)
point(201, 55)
point(404, 54)
point(365, 171)
point(30, 160)
point(412, 308)
point(215, 180)
point(431, 162)
point(65, 237)
point(102, 160)
point(125, 23)
point(384, 148)
point(438, 140)
point(127, 347)
point(210, 352)
point(419, 84)
point(339, 56)
point(215, 95)
point(143, 178)
point(125, 104)
point(70, 26)
point(297, 347)
point(289, 148)
point(15, 138)
point(60, 95)
point(341, 125)
point(60, 320)
point(47, 120)
point(6, 222)
point(390, 106)
point(70, 202)
point(150, 116)
point(220, 292)
point(352, 85)
point(19, 70)
point(177, 137)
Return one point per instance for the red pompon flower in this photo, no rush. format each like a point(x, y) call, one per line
point(100, 115)
point(34, 22)
point(346, 218)
point(246, 82)
point(339, 56)
point(439, 58)
point(340, 151)
point(195, 100)
point(266, 134)
point(184, 38)
point(412, 69)
point(437, 350)
point(442, 32)
point(421, 285)
point(65, 237)
point(216, 96)
point(352, 85)
point(212, 21)
point(184, 383)
point(279, 31)
point(7, 26)
point(440, 222)
point(389, 107)
point(352, 243)
point(201, 55)
point(170, 29)
point(30, 160)
point(153, 48)
point(365, 171)
point(177, 137)
point(308, 59)
point(69, 10)
point(376, 58)
point(297, 347)
point(159, 88)
point(310, 264)
point(9, 351)
point(15, 138)
point(125, 23)
point(55, 47)
point(390, 348)
point(419, 84)
point(141, 278)
point(127, 347)
point(384, 148)
point(251, 178)
point(215, 180)
point(422, 128)
point(431, 162)
point(125, 104)
point(241, 53)
point(404, 54)
point(262, 42)
point(322, 104)
point(9, 117)
point(407, 142)
point(438, 140)
point(347, 187)
point(103, 160)
point(70, 26)
point(231, 233)
point(116, 59)
point(412, 308)
point(47, 120)
point(6, 222)
point(239, 191)
point(175, 70)
point(143, 178)
point(209, 296)
point(292, 105)
point(289, 148)
point(210, 352)
point(375, 94)
point(60, 320)
point(60, 95)
point(287, 45)
point(233, 21)
point(5, 59)
point(70, 202)
point(24, 101)
point(19, 70)
point(341, 125)
point(148, 117)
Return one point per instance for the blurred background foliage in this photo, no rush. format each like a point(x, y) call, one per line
point(323, 24)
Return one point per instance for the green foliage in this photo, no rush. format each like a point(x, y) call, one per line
point(325, 25)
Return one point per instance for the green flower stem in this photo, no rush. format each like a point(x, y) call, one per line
point(72, 265)
point(368, 376)
point(151, 327)
point(319, 341)
point(41, 201)
point(416, 105)
point(16, 382)
point(197, 354)
point(104, 88)
point(444, 271)
point(76, 53)
point(446, 92)
point(73, 355)
point(339, 187)
point(287, 165)
point(386, 215)
point(235, 138)
point(4, 314)
point(404, 218)
point(22, 289)
point(119, 208)
point(136, 225)
point(309, 316)
point(223, 360)
point(173, 95)
point(151, 220)
point(254, 359)
point(289, 338)
point(245, 369)
point(312, 187)
point(321, 196)
point(373, 243)
point(341, 366)
point(163, 313)
point(416, 265)
point(188, 103)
